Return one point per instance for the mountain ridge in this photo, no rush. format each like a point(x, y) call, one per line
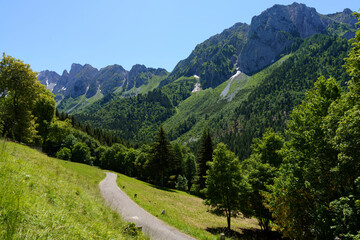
point(86, 82)
point(244, 47)
point(250, 48)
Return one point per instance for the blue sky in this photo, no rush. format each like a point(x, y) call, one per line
point(159, 33)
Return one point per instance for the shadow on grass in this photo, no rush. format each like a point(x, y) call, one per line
point(247, 234)
point(162, 188)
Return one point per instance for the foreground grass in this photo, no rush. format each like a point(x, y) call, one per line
point(183, 211)
point(46, 198)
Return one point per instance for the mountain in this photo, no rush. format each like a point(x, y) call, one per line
point(251, 48)
point(85, 84)
point(236, 111)
point(250, 78)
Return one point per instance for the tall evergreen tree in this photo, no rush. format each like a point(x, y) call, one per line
point(162, 158)
point(205, 154)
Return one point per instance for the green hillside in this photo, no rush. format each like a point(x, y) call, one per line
point(47, 198)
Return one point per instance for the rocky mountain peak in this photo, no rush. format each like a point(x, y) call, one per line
point(347, 11)
point(275, 28)
point(75, 69)
point(65, 73)
point(136, 70)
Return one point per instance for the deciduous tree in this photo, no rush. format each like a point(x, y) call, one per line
point(19, 90)
point(225, 185)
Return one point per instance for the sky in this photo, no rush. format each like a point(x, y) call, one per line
point(51, 35)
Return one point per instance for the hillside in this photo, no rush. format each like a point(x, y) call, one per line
point(184, 211)
point(46, 198)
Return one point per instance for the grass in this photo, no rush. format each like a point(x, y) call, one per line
point(183, 211)
point(46, 198)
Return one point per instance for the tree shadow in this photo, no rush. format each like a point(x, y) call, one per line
point(246, 234)
point(162, 188)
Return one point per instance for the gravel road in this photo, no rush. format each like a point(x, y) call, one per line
point(131, 212)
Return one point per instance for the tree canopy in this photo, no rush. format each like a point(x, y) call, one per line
point(23, 100)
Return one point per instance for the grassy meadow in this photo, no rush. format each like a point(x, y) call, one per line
point(46, 198)
point(183, 211)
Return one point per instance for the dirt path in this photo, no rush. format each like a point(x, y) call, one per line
point(131, 212)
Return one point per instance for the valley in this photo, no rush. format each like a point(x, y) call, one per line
point(254, 135)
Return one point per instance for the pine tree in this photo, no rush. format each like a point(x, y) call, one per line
point(205, 154)
point(162, 158)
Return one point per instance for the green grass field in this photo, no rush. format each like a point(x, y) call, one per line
point(183, 211)
point(46, 198)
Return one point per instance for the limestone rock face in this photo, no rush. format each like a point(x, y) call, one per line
point(273, 30)
point(49, 79)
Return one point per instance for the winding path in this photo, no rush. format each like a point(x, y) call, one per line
point(131, 212)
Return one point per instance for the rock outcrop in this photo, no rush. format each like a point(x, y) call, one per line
point(49, 79)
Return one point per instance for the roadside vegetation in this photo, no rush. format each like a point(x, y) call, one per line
point(183, 211)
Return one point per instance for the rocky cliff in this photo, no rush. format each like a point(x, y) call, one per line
point(85, 79)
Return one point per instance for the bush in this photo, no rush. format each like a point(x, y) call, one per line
point(64, 154)
point(81, 153)
point(181, 183)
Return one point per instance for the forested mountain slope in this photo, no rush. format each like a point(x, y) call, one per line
point(254, 103)
point(252, 47)
point(236, 111)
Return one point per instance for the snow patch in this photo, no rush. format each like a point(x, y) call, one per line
point(197, 87)
point(63, 88)
point(227, 88)
point(196, 76)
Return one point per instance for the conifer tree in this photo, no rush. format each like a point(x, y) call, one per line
point(205, 154)
point(162, 158)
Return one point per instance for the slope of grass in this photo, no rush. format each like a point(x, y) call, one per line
point(46, 198)
point(210, 109)
point(183, 211)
